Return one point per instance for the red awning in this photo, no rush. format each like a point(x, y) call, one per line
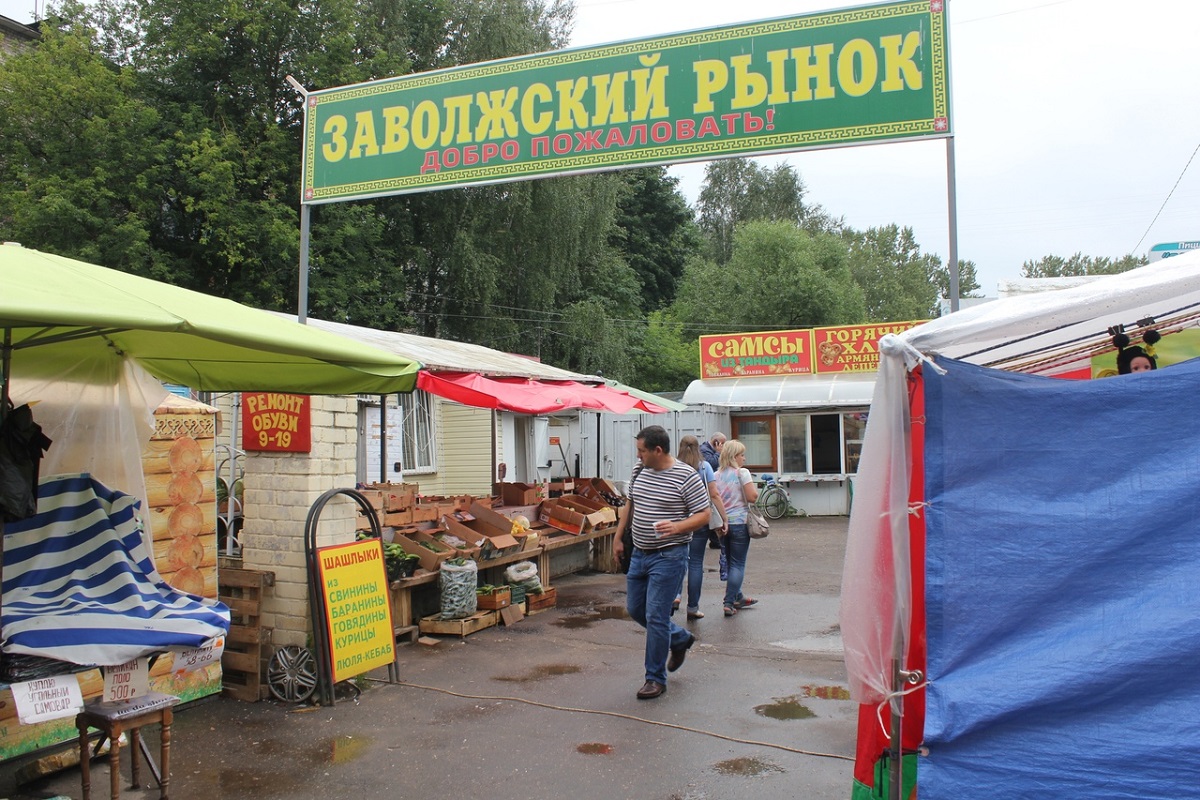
point(526, 396)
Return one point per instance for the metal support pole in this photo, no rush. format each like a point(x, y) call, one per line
point(383, 439)
point(952, 207)
point(896, 751)
point(305, 225)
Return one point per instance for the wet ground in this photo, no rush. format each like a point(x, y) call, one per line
point(546, 708)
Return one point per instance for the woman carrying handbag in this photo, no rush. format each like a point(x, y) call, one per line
point(738, 491)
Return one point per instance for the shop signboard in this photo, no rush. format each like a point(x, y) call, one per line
point(851, 348)
point(859, 75)
point(358, 616)
point(746, 355)
point(1168, 249)
point(273, 421)
point(839, 348)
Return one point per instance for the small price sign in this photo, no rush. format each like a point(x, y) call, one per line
point(277, 422)
point(127, 681)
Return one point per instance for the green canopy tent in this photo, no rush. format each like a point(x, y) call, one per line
point(56, 312)
point(83, 346)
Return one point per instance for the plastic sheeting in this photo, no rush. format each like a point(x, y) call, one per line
point(1063, 585)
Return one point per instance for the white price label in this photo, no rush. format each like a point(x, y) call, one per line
point(199, 657)
point(47, 698)
point(127, 681)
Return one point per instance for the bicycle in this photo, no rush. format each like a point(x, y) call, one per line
point(772, 498)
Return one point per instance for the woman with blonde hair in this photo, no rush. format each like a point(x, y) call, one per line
point(689, 453)
point(737, 489)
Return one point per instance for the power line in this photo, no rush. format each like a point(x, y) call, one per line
point(1164, 204)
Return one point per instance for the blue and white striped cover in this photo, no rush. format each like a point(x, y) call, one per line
point(80, 584)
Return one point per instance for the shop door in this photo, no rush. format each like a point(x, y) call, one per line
point(620, 451)
point(370, 450)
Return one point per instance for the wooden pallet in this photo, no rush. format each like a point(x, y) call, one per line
point(245, 656)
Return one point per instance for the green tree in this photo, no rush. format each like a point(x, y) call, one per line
point(81, 161)
point(667, 359)
point(778, 276)
point(968, 279)
point(657, 234)
point(1052, 266)
point(897, 279)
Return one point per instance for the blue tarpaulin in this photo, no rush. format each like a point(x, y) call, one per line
point(1063, 585)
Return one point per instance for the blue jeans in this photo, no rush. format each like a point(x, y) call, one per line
point(695, 569)
point(737, 543)
point(650, 586)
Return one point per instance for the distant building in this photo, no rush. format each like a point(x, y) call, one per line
point(16, 36)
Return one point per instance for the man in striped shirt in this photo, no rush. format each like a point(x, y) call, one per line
point(667, 501)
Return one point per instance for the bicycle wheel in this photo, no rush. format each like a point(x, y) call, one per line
point(775, 502)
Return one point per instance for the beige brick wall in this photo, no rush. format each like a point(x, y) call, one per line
point(280, 488)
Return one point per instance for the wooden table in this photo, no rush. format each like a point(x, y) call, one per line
point(601, 560)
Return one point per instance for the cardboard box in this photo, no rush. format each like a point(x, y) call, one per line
point(492, 542)
point(468, 550)
point(515, 494)
point(495, 519)
point(430, 559)
point(394, 496)
point(425, 513)
point(500, 597)
point(559, 488)
point(562, 518)
point(597, 513)
point(395, 518)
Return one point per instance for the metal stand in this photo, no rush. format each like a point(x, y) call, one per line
point(316, 598)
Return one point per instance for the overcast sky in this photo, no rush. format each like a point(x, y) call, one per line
point(1074, 119)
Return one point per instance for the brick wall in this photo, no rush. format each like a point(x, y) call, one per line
point(280, 488)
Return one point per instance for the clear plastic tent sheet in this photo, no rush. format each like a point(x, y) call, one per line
point(98, 414)
point(1062, 555)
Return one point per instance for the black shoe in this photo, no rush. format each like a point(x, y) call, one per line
point(650, 691)
point(678, 654)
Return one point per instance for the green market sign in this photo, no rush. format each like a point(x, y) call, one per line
point(861, 75)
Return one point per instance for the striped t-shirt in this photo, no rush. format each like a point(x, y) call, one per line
point(674, 493)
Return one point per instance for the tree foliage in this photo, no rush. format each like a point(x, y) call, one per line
point(1052, 266)
point(161, 137)
point(778, 276)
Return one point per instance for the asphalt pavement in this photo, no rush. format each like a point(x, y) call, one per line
point(546, 708)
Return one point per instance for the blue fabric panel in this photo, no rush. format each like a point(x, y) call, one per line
point(1063, 585)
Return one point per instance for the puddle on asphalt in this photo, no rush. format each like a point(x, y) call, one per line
point(595, 749)
point(345, 749)
point(537, 673)
point(746, 766)
point(785, 708)
point(575, 621)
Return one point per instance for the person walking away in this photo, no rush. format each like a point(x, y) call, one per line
point(710, 451)
point(737, 490)
point(689, 453)
point(667, 501)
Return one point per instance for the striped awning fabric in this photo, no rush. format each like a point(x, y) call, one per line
point(79, 583)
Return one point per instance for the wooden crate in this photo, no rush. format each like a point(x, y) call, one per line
point(245, 656)
point(545, 601)
point(458, 627)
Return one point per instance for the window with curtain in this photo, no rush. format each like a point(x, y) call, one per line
point(758, 435)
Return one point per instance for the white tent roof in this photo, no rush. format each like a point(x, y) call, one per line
point(1045, 331)
point(784, 391)
point(443, 355)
